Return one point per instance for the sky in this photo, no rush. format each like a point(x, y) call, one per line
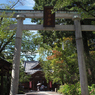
point(27, 5)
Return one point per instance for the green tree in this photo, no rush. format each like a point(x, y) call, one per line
point(22, 76)
point(7, 38)
point(61, 66)
point(83, 7)
point(86, 9)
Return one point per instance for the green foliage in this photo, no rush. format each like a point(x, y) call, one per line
point(87, 9)
point(29, 47)
point(91, 89)
point(70, 89)
point(22, 76)
point(6, 36)
point(84, 7)
point(74, 89)
point(59, 63)
point(7, 40)
point(20, 91)
point(39, 4)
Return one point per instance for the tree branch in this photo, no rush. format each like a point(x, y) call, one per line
point(10, 8)
point(1, 43)
point(80, 6)
point(6, 43)
point(15, 4)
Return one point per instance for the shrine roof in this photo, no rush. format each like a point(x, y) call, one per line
point(5, 66)
point(4, 63)
point(30, 65)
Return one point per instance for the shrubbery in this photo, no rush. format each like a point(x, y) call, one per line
point(75, 89)
point(91, 89)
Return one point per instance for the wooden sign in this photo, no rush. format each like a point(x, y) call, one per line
point(49, 18)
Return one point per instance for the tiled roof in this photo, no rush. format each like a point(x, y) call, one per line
point(30, 72)
point(29, 65)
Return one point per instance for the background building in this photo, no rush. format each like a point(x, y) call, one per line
point(34, 69)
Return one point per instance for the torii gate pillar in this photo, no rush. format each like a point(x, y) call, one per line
point(81, 60)
point(16, 58)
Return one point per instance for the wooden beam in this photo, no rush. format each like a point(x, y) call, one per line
point(57, 27)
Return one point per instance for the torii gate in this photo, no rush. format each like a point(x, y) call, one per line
point(20, 15)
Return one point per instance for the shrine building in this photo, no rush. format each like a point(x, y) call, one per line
point(34, 69)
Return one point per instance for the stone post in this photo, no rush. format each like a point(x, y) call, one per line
point(80, 52)
point(16, 58)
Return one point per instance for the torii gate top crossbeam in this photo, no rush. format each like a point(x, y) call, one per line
point(37, 14)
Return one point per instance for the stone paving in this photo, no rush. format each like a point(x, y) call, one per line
point(42, 93)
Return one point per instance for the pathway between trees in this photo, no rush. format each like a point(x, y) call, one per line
point(43, 93)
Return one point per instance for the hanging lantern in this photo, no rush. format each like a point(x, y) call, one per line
point(30, 84)
point(50, 83)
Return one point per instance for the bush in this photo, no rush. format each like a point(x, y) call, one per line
point(75, 89)
point(91, 89)
point(70, 89)
point(20, 90)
